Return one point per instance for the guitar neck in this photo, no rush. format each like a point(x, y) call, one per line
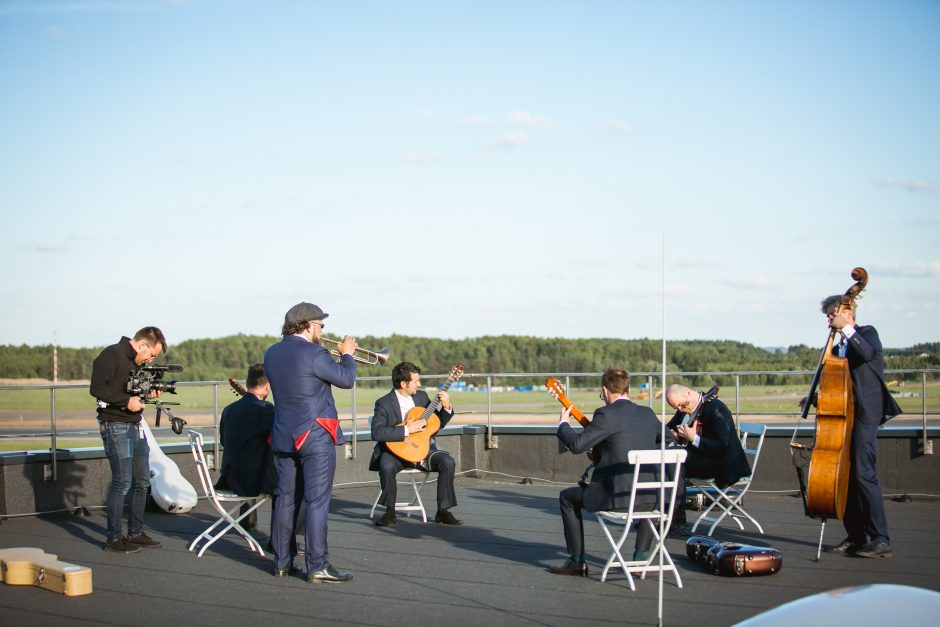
point(430, 409)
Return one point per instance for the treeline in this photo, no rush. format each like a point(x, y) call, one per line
point(218, 359)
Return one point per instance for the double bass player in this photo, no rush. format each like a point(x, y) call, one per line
point(864, 519)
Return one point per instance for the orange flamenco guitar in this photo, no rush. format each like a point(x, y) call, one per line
point(417, 444)
point(557, 390)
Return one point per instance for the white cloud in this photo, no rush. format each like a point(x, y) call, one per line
point(421, 159)
point(524, 118)
point(911, 186)
point(512, 139)
point(909, 269)
point(44, 247)
point(749, 282)
point(54, 31)
point(478, 120)
point(621, 127)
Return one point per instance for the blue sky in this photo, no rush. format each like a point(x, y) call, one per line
point(458, 169)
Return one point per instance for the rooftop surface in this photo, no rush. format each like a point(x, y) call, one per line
point(491, 571)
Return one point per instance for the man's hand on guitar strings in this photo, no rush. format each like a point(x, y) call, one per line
point(445, 400)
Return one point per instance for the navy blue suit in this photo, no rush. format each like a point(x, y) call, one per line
point(613, 432)
point(301, 374)
point(864, 517)
point(387, 427)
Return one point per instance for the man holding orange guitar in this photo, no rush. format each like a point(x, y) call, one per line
point(388, 425)
point(615, 429)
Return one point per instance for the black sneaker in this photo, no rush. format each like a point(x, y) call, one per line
point(142, 540)
point(120, 545)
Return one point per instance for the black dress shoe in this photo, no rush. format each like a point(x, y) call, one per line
point(846, 547)
point(445, 517)
point(570, 567)
point(329, 575)
point(875, 548)
point(285, 572)
point(387, 520)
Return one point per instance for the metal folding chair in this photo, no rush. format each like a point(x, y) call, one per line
point(674, 458)
point(217, 498)
point(729, 498)
point(415, 504)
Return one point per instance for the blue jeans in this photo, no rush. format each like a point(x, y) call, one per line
point(129, 456)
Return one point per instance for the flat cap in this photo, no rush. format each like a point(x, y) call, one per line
point(304, 312)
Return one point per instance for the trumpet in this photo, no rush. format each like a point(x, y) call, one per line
point(369, 358)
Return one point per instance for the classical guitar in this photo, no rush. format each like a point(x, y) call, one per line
point(237, 388)
point(417, 444)
point(557, 390)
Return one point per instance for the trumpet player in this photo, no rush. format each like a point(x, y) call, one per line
point(306, 428)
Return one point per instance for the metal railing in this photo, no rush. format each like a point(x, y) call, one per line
point(651, 378)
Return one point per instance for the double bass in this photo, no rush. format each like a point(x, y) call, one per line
point(826, 486)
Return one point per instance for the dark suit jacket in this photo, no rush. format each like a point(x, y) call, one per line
point(613, 432)
point(873, 401)
point(719, 443)
point(301, 375)
point(387, 427)
point(247, 460)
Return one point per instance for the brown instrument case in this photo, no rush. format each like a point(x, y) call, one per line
point(26, 566)
point(740, 560)
point(697, 547)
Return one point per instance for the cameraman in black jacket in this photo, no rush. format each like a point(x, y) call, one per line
point(119, 414)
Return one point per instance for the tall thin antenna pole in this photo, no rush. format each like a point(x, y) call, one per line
point(662, 446)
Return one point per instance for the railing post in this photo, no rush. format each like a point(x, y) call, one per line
point(489, 411)
point(926, 448)
point(737, 400)
point(355, 436)
point(52, 428)
point(215, 425)
point(649, 389)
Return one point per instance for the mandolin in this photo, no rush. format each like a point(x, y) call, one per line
point(417, 444)
point(557, 390)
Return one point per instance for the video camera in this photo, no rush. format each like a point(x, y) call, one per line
point(147, 379)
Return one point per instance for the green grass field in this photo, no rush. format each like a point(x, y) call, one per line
point(17, 406)
point(754, 399)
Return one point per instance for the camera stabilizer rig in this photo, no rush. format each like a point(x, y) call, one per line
point(149, 379)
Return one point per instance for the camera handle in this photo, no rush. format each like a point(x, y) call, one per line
point(176, 424)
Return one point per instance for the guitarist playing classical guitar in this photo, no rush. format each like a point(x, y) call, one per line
point(389, 425)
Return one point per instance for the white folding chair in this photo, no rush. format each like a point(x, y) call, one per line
point(415, 504)
point(645, 461)
point(216, 498)
point(729, 498)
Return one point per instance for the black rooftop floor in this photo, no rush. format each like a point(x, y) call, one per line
point(491, 571)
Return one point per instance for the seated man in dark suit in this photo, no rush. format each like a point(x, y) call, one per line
point(615, 429)
point(712, 441)
point(245, 434)
point(387, 419)
point(245, 431)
